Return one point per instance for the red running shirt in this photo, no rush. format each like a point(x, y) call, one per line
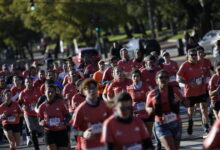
point(87, 116)
point(151, 101)
point(116, 87)
point(172, 68)
point(192, 72)
point(11, 110)
point(29, 98)
point(124, 135)
point(126, 65)
point(53, 115)
point(138, 99)
point(148, 77)
point(76, 101)
point(214, 83)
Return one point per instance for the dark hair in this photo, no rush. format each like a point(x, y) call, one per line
point(136, 71)
point(87, 82)
point(113, 58)
point(161, 72)
point(41, 71)
point(200, 48)
point(122, 97)
point(50, 86)
point(32, 67)
point(78, 82)
point(191, 50)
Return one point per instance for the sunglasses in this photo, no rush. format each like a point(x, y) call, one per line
point(128, 108)
point(163, 77)
point(193, 55)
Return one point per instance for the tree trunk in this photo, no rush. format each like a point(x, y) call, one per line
point(150, 18)
point(127, 31)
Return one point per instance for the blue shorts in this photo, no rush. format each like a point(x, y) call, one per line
point(173, 129)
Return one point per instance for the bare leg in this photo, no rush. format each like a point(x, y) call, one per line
point(168, 142)
point(10, 137)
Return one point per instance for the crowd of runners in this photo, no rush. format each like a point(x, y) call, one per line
point(124, 104)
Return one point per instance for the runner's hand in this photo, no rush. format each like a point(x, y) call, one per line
point(87, 134)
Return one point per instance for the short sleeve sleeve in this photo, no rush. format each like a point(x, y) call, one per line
point(149, 101)
point(77, 119)
point(107, 135)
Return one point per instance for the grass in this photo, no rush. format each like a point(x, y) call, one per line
point(179, 35)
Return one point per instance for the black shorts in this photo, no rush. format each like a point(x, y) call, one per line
point(197, 99)
point(150, 118)
point(59, 138)
point(215, 105)
point(12, 127)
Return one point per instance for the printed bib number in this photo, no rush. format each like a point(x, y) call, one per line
point(11, 119)
point(133, 147)
point(140, 106)
point(172, 79)
point(198, 80)
point(97, 128)
point(54, 121)
point(170, 117)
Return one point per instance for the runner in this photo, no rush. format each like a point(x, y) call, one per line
point(138, 92)
point(89, 116)
point(10, 114)
point(171, 67)
point(207, 68)
point(16, 88)
point(52, 77)
point(77, 98)
point(28, 99)
point(63, 73)
point(41, 79)
point(107, 76)
point(54, 118)
point(164, 103)
point(70, 89)
point(119, 84)
point(149, 72)
point(122, 130)
point(125, 63)
point(214, 91)
point(194, 89)
point(138, 57)
point(98, 77)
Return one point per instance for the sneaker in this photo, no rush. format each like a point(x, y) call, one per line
point(190, 127)
point(29, 142)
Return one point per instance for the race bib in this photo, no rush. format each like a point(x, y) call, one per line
point(170, 117)
point(198, 80)
point(11, 119)
point(140, 106)
point(207, 80)
point(96, 128)
point(172, 78)
point(54, 121)
point(133, 147)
